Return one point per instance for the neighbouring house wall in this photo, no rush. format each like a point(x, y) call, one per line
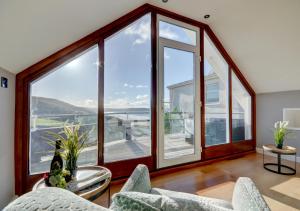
point(269, 109)
point(7, 116)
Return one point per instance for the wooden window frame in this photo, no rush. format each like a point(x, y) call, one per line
point(24, 181)
point(216, 151)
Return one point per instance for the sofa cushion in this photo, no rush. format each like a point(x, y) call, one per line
point(181, 195)
point(52, 199)
point(246, 196)
point(136, 201)
point(139, 181)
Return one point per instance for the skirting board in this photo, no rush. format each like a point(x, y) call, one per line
point(287, 157)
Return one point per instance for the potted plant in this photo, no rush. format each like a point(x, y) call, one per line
point(72, 142)
point(280, 133)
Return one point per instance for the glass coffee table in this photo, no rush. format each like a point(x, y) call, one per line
point(279, 167)
point(90, 186)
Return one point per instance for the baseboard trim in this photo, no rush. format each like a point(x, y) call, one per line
point(287, 157)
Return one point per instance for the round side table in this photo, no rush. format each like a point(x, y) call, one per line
point(92, 191)
point(281, 169)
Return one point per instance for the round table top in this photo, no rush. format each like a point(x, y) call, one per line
point(83, 174)
point(286, 150)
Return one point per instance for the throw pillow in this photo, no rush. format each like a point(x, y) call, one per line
point(142, 201)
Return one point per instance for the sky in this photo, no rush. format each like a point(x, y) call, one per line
point(127, 69)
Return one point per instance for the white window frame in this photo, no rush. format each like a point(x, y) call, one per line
point(161, 43)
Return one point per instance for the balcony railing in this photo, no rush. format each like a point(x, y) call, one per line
point(132, 129)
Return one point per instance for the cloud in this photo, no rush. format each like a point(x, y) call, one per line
point(141, 31)
point(167, 33)
point(128, 85)
point(141, 86)
point(88, 103)
point(141, 101)
point(117, 103)
point(141, 97)
point(120, 93)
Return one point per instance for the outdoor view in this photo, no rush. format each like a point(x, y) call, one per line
point(241, 111)
point(216, 95)
point(127, 91)
point(67, 94)
point(178, 103)
point(216, 100)
point(70, 94)
point(177, 72)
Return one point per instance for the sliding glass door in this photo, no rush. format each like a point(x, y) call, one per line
point(178, 93)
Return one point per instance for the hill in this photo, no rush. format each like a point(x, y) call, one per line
point(49, 106)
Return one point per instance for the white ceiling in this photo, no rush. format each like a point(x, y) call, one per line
point(262, 37)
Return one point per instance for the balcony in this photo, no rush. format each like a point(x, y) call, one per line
point(127, 136)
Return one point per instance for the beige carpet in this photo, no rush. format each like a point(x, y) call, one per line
point(290, 188)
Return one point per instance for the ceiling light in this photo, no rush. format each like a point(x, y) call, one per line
point(206, 16)
point(164, 1)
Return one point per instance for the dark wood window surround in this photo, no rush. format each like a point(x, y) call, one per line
point(121, 169)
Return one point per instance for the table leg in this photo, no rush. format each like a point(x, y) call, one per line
point(279, 162)
point(263, 156)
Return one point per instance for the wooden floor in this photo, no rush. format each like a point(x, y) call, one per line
point(218, 179)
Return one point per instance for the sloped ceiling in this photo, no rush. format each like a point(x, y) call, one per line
point(262, 37)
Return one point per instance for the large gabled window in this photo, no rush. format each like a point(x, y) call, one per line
point(133, 82)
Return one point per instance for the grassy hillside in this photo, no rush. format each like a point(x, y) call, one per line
point(49, 106)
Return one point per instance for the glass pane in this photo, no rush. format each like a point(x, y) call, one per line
point(212, 93)
point(127, 91)
point(241, 111)
point(178, 103)
point(177, 33)
point(216, 92)
point(67, 94)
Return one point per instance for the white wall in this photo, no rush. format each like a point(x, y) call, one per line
point(7, 116)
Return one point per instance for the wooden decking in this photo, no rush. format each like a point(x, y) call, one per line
point(175, 145)
point(218, 179)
